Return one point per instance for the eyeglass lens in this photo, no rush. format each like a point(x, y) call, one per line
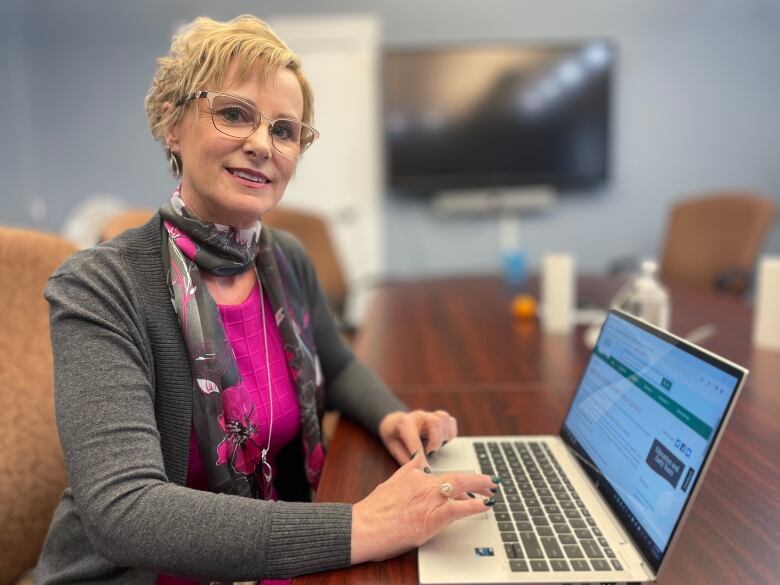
point(239, 120)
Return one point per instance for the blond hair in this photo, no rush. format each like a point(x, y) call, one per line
point(199, 58)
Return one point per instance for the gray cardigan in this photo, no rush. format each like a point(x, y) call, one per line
point(123, 395)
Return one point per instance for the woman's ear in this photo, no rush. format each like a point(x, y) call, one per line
point(171, 131)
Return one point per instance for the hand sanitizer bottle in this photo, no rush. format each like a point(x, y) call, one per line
point(645, 297)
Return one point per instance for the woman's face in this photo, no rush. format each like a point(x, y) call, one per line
point(210, 186)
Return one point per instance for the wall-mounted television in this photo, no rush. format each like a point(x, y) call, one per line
point(498, 116)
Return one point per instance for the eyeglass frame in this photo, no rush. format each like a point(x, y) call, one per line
point(271, 121)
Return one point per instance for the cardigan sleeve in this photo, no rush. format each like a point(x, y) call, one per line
point(130, 512)
point(350, 387)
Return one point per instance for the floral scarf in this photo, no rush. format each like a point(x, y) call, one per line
point(230, 439)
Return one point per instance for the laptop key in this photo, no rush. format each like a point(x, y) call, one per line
point(562, 529)
point(518, 550)
point(544, 531)
point(590, 520)
point(603, 541)
point(557, 518)
point(573, 551)
point(601, 565)
point(536, 511)
point(509, 537)
point(550, 544)
point(540, 521)
point(567, 539)
point(510, 550)
point(539, 566)
point(524, 526)
point(597, 532)
point(616, 565)
point(506, 527)
point(531, 544)
point(503, 516)
point(580, 565)
point(609, 552)
point(516, 507)
point(499, 508)
point(578, 523)
point(558, 565)
point(571, 513)
point(591, 549)
point(582, 533)
point(518, 566)
point(520, 516)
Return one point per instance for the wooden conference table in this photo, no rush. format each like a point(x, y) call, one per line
point(453, 344)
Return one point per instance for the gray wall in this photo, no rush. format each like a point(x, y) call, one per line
point(697, 87)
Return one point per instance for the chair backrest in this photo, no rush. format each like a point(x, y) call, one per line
point(32, 472)
point(312, 231)
point(708, 237)
point(124, 221)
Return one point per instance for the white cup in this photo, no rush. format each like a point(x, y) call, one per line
point(558, 290)
point(766, 314)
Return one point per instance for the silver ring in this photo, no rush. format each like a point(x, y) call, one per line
point(446, 490)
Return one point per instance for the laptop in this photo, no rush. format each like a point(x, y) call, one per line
point(604, 501)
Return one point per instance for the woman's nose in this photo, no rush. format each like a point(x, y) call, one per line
point(259, 143)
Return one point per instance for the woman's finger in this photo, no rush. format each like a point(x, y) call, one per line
point(456, 509)
point(432, 426)
point(397, 450)
point(409, 436)
point(463, 484)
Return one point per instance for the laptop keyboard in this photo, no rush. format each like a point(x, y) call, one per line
point(544, 524)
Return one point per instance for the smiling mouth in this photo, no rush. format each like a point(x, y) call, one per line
point(251, 176)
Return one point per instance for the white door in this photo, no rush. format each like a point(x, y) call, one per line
point(341, 176)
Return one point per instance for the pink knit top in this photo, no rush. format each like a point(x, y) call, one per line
point(244, 330)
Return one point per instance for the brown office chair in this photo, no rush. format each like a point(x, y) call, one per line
point(312, 231)
point(712, 242)
point(124, 221)
point(32, 472)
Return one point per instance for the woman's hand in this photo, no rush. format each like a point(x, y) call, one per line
point(406, 433)
point(409, 508)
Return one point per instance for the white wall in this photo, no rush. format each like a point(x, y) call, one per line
point(695, 108)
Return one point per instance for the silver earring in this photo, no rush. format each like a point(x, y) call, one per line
point(173, 162)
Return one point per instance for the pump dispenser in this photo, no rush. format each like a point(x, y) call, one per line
point(645, 297)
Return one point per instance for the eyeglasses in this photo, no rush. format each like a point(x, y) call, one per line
point(238, 118)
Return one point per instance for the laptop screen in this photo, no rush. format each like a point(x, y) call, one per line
point(643, 421)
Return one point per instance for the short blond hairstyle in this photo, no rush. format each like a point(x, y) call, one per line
point(199, 58)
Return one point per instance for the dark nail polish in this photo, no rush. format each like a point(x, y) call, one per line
point(427, 469)
point(496, 479)
point(493, 490)
point(444, 443)
point(431, 453)
point(489, 501)
point(414, 455)
point(469, 494)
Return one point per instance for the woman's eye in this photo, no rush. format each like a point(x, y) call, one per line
point(285, 130)
point(234, 115)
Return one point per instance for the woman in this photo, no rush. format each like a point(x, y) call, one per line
point(194, 357)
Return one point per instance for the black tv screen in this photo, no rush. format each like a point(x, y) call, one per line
point(498, 116)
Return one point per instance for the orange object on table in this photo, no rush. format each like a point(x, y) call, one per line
point(523, 307)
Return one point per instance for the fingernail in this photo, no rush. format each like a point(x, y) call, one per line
point(489, 501)
point(413, 455)
point(444, 443)
point(431, 453)
point(469, 494)
point(427, 469)
point(496, 479)
point(493, 490)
